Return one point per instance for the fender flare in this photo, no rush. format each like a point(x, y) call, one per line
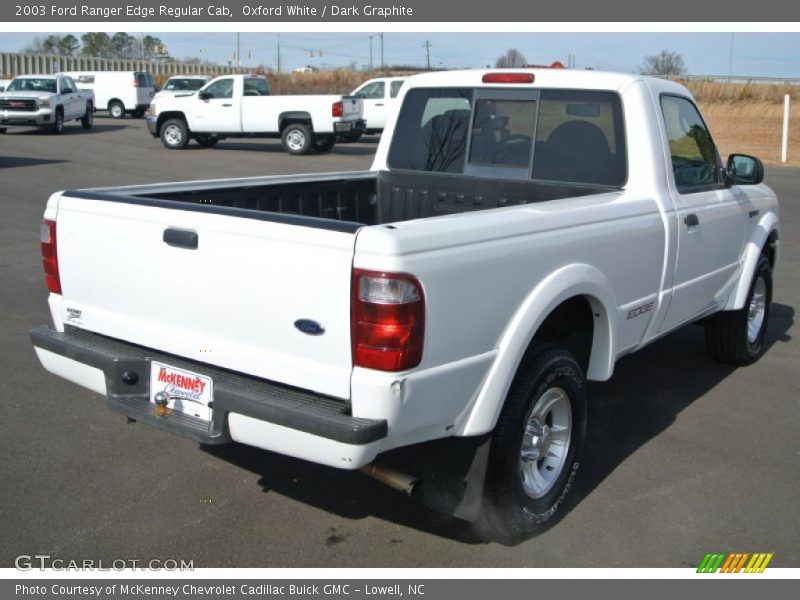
point(567, 282)
point(294, 115)
point(752, 250)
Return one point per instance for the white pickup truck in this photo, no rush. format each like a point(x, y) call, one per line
point(242, 106)
point(45, 101)
point(518, 233)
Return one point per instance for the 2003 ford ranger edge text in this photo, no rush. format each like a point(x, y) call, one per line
point(518, 233)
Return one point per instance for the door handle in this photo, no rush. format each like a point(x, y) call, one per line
point(753, 213)
point(181, 238)
point(380, 104)
point(691, 220)
point(227, 105)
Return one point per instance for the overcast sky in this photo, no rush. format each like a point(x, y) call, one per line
point(754, 54)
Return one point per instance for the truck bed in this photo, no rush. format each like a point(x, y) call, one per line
point(344, 201)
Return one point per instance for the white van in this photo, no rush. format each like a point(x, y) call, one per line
point(118, 92)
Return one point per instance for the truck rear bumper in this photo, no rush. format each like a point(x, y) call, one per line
point(348, 126)
point(245, 409)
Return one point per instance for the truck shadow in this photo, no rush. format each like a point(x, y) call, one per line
point(275, 147)
point(648, 391)
point(7, 162)
point(69, 129)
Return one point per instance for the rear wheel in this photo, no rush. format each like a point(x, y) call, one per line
point(87, 120)
point(116, 109)
point(297, 138)
point(323, 143)
point(736, 337)
point(2, 130)
point(206, 141)
point(58, 123)
point(535, 447)
point(174, 134)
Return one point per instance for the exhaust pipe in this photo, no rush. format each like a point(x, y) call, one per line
point(402, 482)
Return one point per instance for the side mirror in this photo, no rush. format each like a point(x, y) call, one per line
point(203, 95)
point(745, 170)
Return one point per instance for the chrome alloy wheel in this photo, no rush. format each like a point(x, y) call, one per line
point(757, 310)
point(173, 135)
point(295, 140)
point(545, 442)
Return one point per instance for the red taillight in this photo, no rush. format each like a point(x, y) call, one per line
point(337, 110)
point(135, 82)
point(50, 256)
point(388, 320)
point(508, 78)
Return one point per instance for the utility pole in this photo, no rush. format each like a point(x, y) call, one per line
point(427, 45)
point(730, 60)
point(381, 51)
point(278, 36)
point(370, 52)
point(238, 51)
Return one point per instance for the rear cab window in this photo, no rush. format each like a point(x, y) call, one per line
point(564, 136)
point(255, 86)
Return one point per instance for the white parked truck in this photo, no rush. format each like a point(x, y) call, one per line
point(380, 99)
point(519, 232)
point(243, 106)
point(45, 101)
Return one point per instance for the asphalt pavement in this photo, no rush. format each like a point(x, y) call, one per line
point(684, 456)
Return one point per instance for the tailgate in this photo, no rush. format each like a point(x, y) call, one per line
point(233, 301)
point(353, 108)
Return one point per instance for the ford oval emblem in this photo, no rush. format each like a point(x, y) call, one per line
point(309, 327)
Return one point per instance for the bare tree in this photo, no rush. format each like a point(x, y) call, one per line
point(513, 58)
point(664, 63)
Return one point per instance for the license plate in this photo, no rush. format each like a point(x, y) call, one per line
point(187, 392)
point(343, 126)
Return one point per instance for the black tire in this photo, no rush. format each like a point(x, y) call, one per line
point(116, 109)
point(206, 141)
point(351, 136)
point(729, 338)
point(58, 122)
point(174, 134)
point(512, 511)
point(323, 143)
point(2, 130)
point(297, 138)
point(87, 120)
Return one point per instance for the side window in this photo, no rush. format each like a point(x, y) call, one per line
point(221, 89)
point(431, 130)
point(373, 91)
point(580, 138)
point(71, 84)
point(694, 157)
point(502, 132)
point(394, 88)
